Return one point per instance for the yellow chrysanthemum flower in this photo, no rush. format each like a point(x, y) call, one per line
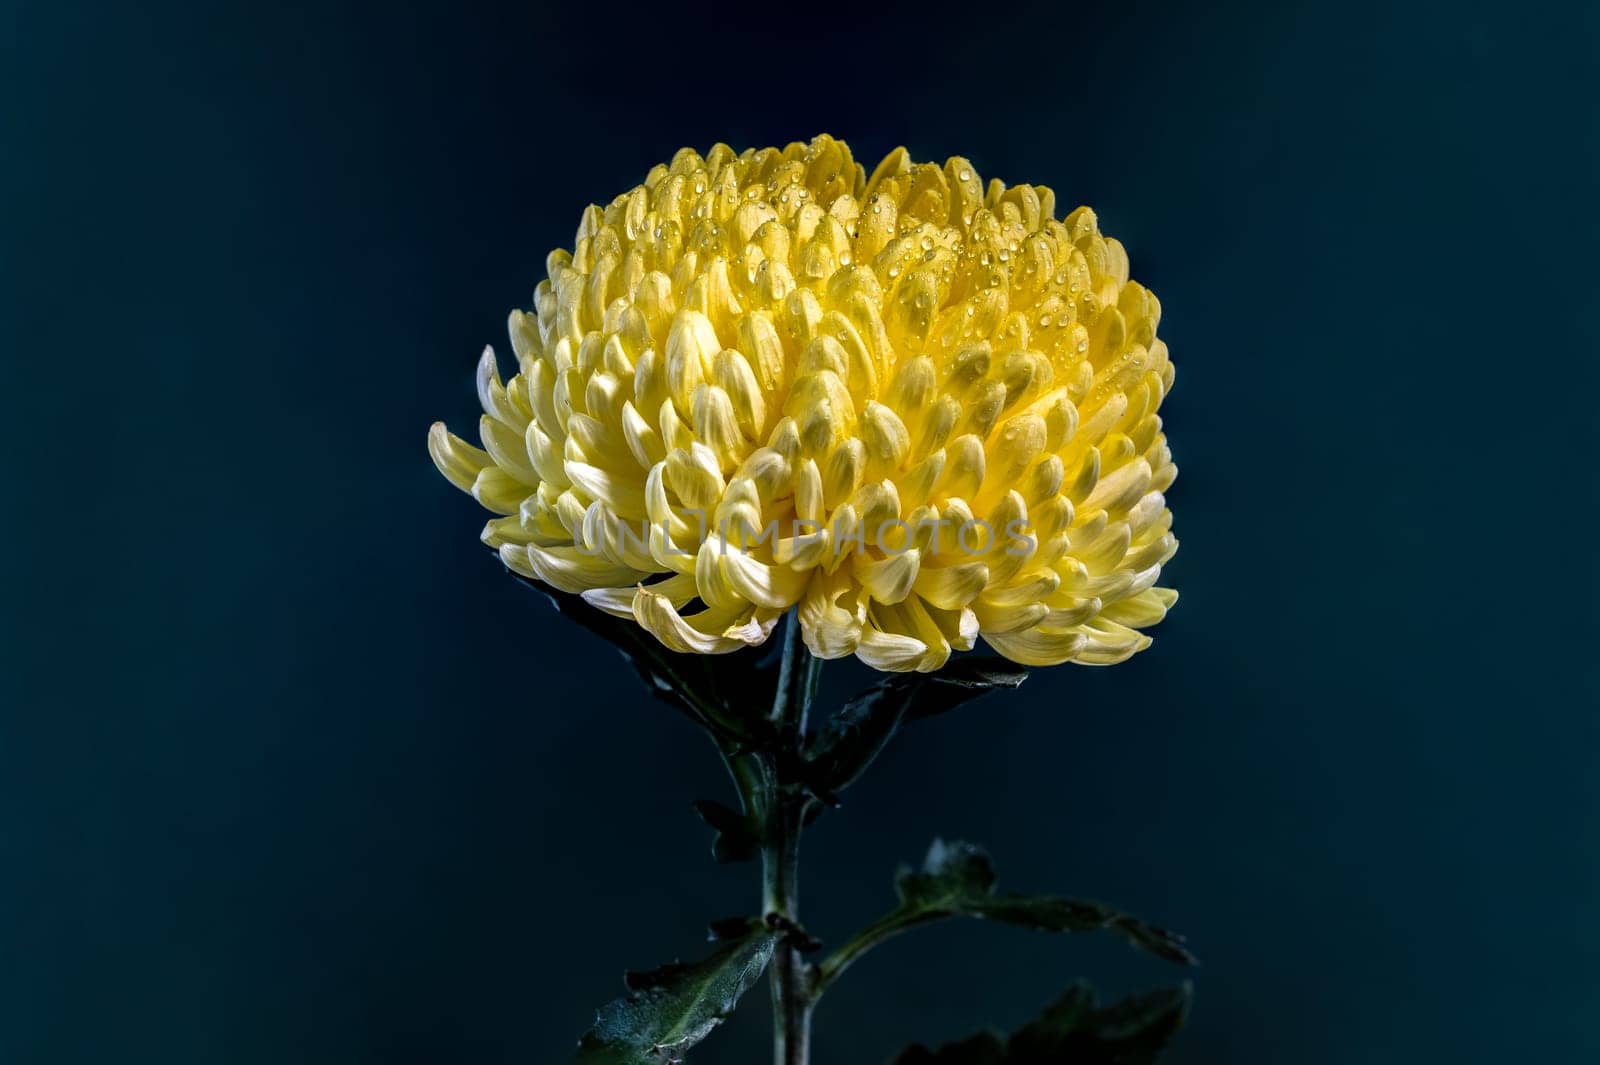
point(919, 409)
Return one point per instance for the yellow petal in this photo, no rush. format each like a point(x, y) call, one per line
point(1142, 610)
point(951, 587)
point(995, 619)
point(1031, 647)
point(492, 395)
point(710, 632)
point(759, 343)
point(1107, 643)
point(621, 492)
point(644, 443)
point(735, 377)
point(911, 619)
point(618, 602)
point(717, 426)
point(566, 568)
point(891, 652)
point(498, 491)
point(458, 460)
point(1120, 490)
point(887, 580)
point(831, 615)
point(546, 461)
point(809, 493)
point(507, 530)
point(843, 473)
point(964, 467)
point(692, 347)
point(885, 439)
point(772, 587)
point(508, 448)
point(1067, 612)
point(695, 477)
point(1033, 588)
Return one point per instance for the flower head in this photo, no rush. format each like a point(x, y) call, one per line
point(919, 409)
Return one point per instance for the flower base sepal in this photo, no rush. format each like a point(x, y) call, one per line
point(854, 737)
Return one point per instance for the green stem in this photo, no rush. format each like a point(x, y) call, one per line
point(783, 812)
point(797, 680)
point(886, 927)
point(791, 975)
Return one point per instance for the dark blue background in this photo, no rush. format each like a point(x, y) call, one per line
point(291, 772)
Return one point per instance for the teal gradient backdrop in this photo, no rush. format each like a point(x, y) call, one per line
point(290, 771)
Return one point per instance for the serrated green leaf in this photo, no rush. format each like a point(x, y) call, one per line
point(736, 839)
point(985, 1048)
point(963, 680)
point(958, 879)
point(857, 734)
point(953, 875)
point(669, 1010)
point(1074, 1030)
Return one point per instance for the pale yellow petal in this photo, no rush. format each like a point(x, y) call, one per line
point(458, 460)
point(889, 579)
point(993, 619)
point(891, 652)
point(952, 587)
point(1031, 647)
point(508, 448)
point(831, 615)
point(498, 491)
point(708, 632)
point(678, 590)
point(773, 587)
point(1144, 609)
point(566, 568)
